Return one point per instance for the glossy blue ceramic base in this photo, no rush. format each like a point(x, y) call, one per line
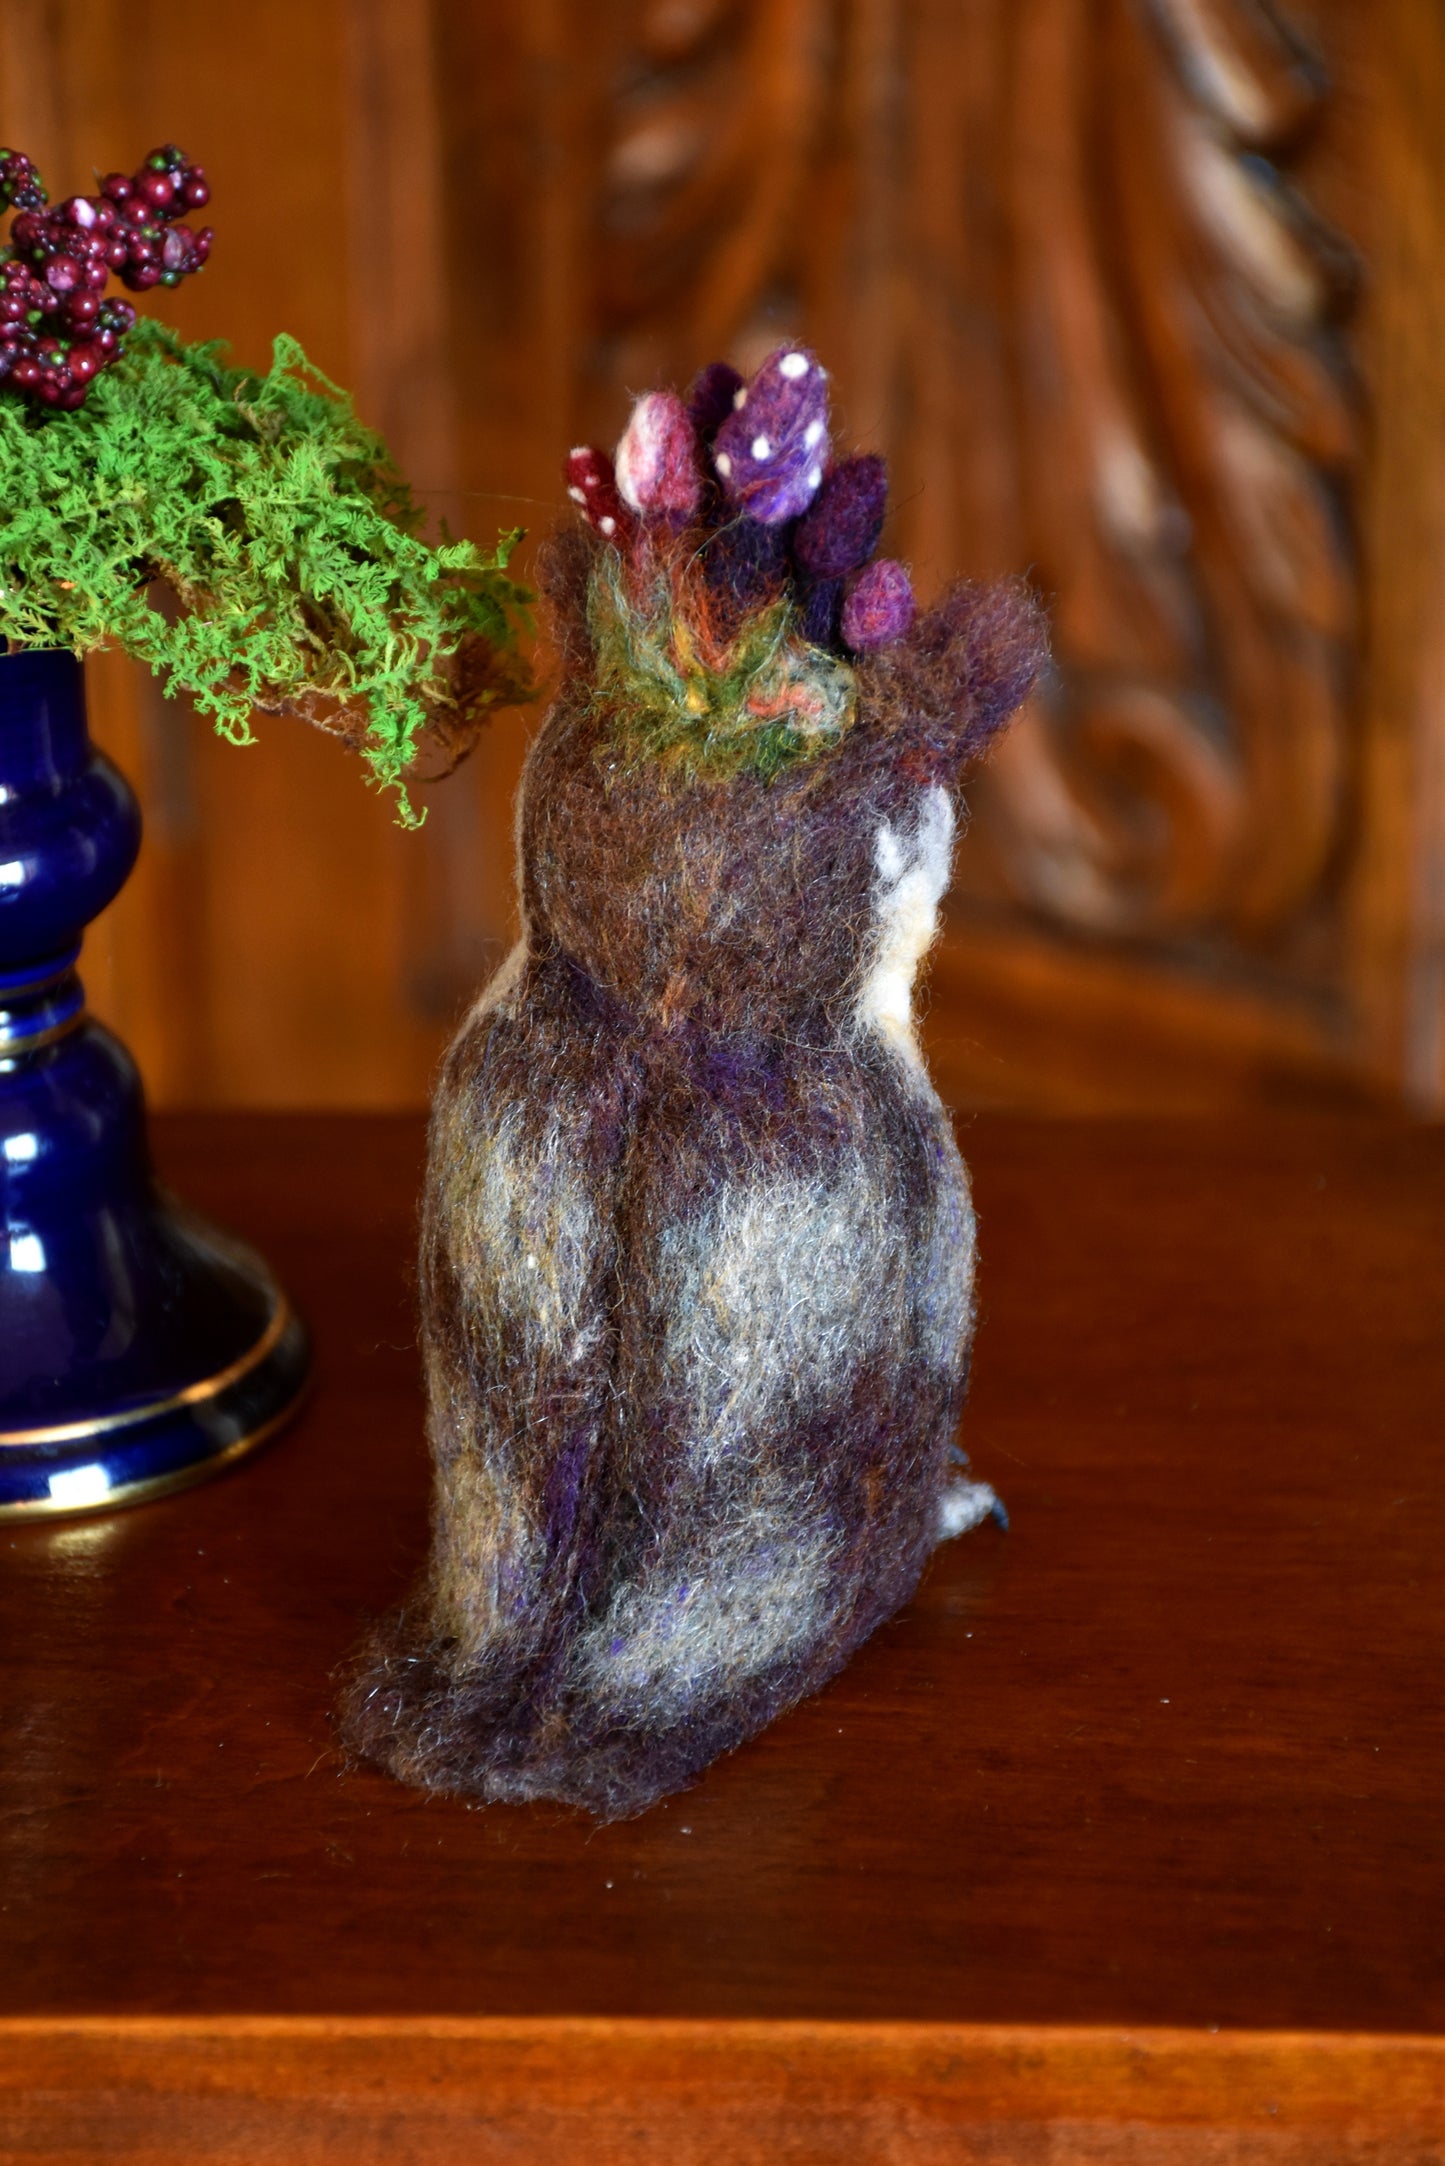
point(139, 1348)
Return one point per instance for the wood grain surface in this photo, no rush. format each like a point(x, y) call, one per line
point(480, 2092)
point(1121, 1845)
point(1167, 1753)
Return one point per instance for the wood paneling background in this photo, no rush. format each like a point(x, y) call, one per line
point(1145, 295)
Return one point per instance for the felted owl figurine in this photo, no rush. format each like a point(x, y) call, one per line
point(697, 1251)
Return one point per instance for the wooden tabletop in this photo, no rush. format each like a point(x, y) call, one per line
point(1168, 1753)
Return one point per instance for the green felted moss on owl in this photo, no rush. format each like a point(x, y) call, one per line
point(716, 698)
point(287, 541)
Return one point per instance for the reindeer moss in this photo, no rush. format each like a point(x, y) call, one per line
point(282, 530)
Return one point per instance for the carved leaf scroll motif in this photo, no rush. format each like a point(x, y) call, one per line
point(713, 133)
point(1185, 437)
point(1165, 329)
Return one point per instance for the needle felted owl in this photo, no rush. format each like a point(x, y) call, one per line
point(697, 1251)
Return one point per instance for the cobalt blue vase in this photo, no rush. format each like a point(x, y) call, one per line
point(140, 1349)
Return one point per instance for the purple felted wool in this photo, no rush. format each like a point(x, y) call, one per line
point(697, 1250)
point(821, 610)
point(878, 607)
point(770, 452)
point(710, 397)
point(658, 470)
point(840, 529)
point(747, 561)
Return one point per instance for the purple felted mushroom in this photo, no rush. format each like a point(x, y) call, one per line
point(770, 452)
point(657, 464)
point(878, 607)
point(840, 529)
point(710, 397)
point(592, 486)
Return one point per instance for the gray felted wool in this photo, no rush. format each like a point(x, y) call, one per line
point(697, 1252)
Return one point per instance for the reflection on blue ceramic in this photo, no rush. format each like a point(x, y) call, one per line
point(139, 1348)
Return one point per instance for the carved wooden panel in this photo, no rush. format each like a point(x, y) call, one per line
point(1145, 295)
point(1066, 260)
point(1056, 242)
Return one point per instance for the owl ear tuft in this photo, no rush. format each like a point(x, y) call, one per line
point(1007, 644)
point(965, 667)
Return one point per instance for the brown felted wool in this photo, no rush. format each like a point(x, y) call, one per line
point(697, 1252)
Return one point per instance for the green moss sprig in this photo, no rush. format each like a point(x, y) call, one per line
point(286, 542)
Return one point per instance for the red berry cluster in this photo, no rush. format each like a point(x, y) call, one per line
point(57, 331)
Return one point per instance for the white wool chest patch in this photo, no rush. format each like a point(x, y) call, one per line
point(912, 873)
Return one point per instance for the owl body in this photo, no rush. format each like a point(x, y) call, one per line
point(697, 1257)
